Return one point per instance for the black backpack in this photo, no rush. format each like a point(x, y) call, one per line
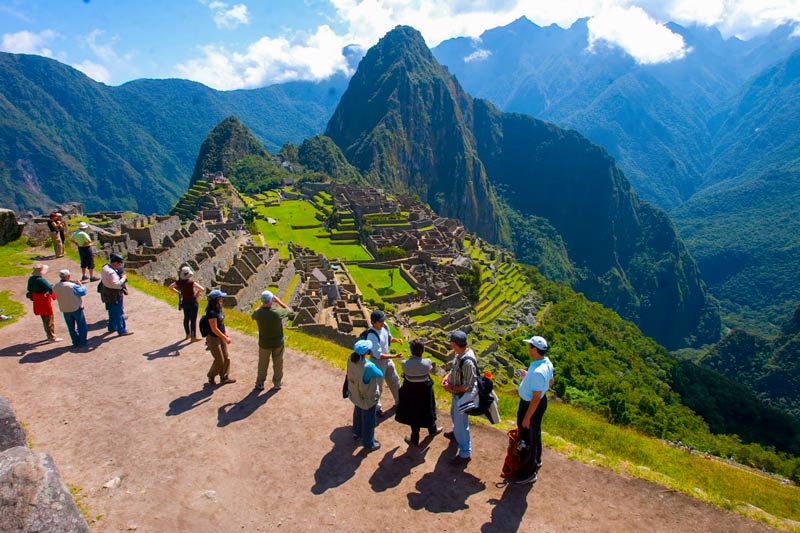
point(364, 334)
point(485, 388)
point(205, 329)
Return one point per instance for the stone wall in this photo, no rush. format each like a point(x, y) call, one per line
point(10, 229)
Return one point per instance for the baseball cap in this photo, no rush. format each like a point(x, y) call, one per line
point(216, 293)
point(458, 337)
point(115, 258)
point(64, 274)
point(538, 342)
point(361, 347)
point(266, 297)
point(377, 316)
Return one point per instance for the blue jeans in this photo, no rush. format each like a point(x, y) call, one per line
point(76, 325)
point(364, 425)
point(116, 320)
point(461, 429)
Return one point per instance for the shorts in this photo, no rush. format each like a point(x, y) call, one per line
point(87, 258)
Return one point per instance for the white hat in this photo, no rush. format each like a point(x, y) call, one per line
point(83, 225)
point(537, 342)
point(186, 273)
point(64, 274)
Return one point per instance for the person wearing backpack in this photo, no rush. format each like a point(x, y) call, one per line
point(363, 377)
point(462, 379)
point(532, 392)
point(380, 337)
point(217, 340)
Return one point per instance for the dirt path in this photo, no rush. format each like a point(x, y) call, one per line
point(229, 459)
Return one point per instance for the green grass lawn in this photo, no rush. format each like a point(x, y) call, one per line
point(10, 308)
point(376, 285)
point(15, 259)
point(425, 318)
point(301, 213)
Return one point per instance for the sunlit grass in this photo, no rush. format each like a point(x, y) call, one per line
point(15, 258)
point(10, 308)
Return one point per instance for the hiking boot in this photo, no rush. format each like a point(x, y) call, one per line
point(375, 446)
point(225, 380)
point(196, 339)
point(435, 431)
point(212, 382)
point(528, 480)
point(259, 386)
point(94, 279)
point(450, 435)
point(277, 387)
point(126, 333)
point(411, 441)
point(55, 339)
point(460, 461)
point(84, 278)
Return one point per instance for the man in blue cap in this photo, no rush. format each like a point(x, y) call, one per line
point(269, 318)
point(532, 391)
point(362, 385)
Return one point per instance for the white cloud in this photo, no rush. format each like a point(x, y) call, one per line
point(478, 55)
point(227, 16)
point(93, 70)
point(634, 31)
point(796, 32)
point(266, 61)
point(27, 42)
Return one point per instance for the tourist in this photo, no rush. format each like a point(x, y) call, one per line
point(536, 381)
point(380, 337)
point(270, 338)
point(363, 378)
point(84, 242)
point(217, 340)
point(188, 290)
point(417, 407)
point(56, 226)
point(69, 295)
point(461, 379)
point(41, 292)
point(113, 288)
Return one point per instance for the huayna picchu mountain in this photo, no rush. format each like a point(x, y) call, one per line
point(407, 124)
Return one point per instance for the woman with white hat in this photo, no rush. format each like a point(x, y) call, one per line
point(41, 292)
point(188, 290)
point(84, 241)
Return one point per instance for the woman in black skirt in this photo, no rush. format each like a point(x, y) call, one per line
point(417, 406)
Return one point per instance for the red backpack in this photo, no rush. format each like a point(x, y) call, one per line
point(513, 460)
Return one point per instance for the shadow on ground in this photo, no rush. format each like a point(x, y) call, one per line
point(391, 470)
point(339, 464)
point(190, 401)
point(446, 489)
point(235, 412)
point(508, 510)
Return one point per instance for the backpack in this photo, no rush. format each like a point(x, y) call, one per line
point(513, 461)
point(485, 396)
point(364, 334)
point(205, 329)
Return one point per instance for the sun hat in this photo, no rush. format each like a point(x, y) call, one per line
point(216, 293)
point(83, 225)
point(64, 274)
point(538, 342)
point(40, 269)
point(362, 346)
point(458, 337)
point(186, 273)
point(266, 297)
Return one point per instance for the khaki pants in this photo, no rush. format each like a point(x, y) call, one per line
point(49, 323)
point(219, 351)
point(264, 355)
point(390, 377)
point(58, 246)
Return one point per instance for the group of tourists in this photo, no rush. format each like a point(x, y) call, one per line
point(369, 367)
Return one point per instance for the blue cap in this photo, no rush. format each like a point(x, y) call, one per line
point(458, 337)
point(216, 293)
point(266, 297)
point(361, 347)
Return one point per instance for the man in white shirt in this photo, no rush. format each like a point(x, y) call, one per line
point(69, 295)
point(380, 337)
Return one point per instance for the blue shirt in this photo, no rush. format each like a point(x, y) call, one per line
point(537, 379)
point(371, 371)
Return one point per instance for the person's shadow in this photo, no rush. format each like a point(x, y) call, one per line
point(391, 470)
point(509, 509)
point(19, 350)
point(234, 412)
point(339, 464)
point(189, 401)
point(437, 492)
point(172, 350)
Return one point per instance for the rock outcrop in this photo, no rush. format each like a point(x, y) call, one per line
point(10, 229)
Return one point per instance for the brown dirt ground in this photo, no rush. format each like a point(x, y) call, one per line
point(229, 459)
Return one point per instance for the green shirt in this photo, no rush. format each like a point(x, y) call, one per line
point(270, 326)
point(81, 238)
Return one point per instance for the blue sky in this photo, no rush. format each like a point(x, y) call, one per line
point(250, 43)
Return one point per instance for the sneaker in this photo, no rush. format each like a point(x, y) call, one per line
point(528, 480)
point(449, 435)
point(379, 413)
point(212, 382)
point(94, 279)
point(460, 461)
point(196, 339)
point(56, 339)
point(187, 337)
point(375, 446)
point(84, 278)
point(435, 431)
point(225, 380)
point(259, 386)
point(126, 333)
point(277, 387)
point(411, 442)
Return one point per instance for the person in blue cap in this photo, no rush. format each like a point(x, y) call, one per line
point(269, 318)
point(363, 377)
point(532, 392)
point(217, 340)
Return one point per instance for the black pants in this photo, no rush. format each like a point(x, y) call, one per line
point(190, 317)
point(532, 455)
